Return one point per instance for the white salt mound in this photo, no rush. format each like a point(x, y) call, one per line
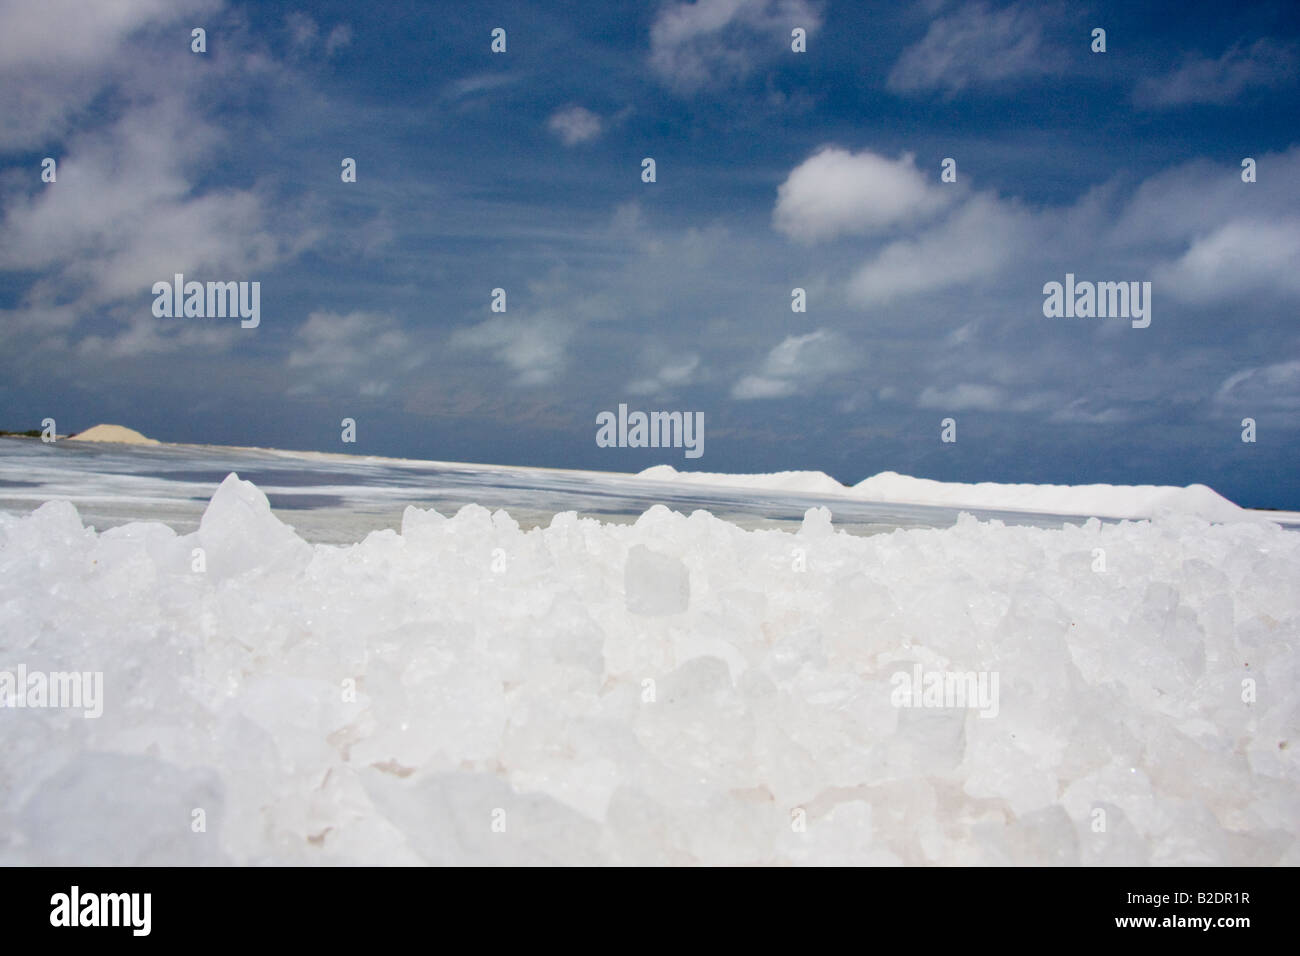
point(798, 482)
point(113, 433)
point(670, 692)
point(1102, 501)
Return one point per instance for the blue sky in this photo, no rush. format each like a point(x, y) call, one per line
point(775, 170)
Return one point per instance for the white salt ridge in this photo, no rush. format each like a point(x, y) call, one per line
point(674, 691)
point(1102, 501)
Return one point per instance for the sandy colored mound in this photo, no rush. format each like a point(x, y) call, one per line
point(117, 433)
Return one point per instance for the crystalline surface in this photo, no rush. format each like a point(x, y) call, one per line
point(655, 584)
point(678, 690)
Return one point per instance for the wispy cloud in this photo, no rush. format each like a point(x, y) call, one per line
point(673, 374)
point(797, 362)
point(1262, 65)
point(124, 214)
point(977, 46)
point(979, 239)
point(1263, 388)
point(1239, 257)
point(574, 125)
point(714, 42)
point(366, 349)
point(55, 61)
point(971, 396)
point(532, 345)
point(478, 83)
point(133, 203)
point(339, 37)
point(964, 397)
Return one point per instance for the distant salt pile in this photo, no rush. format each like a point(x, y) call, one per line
point(797, 482)
point(113, 433)
point(674, 691)
point(1102, 501)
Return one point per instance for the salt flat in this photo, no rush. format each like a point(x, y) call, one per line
point(338, 499)
point(670, 687)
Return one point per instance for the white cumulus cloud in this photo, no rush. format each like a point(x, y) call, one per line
point(835, 192)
